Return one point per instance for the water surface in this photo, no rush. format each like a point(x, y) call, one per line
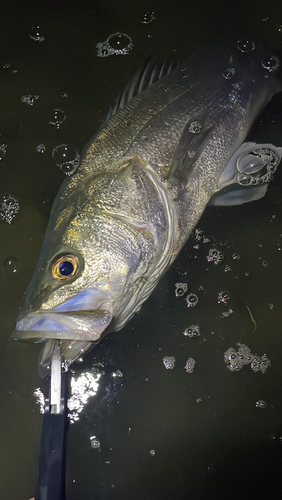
point(163, 433)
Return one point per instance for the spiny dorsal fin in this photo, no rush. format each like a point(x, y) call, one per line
point(150, 73)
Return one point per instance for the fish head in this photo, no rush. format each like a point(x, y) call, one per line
point(89, 265)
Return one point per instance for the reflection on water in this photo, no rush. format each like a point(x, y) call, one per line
point(40, 399)
point(162, 433)
point(83, 387)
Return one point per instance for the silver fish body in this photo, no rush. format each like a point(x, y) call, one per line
point(143, 183)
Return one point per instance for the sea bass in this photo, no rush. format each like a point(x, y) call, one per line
point(173, 144)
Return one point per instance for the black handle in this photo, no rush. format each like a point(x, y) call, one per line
point(52, 459)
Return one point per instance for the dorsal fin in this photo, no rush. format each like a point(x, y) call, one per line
point(151, 72)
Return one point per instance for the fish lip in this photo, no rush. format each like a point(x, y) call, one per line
point(82, 326)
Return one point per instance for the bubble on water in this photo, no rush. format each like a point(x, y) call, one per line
point(232, 360)
point(95, 443)
point(225, 314)
point(222, 298)
point(253, 160)
point(260, 363)
point(148, 18)
point(271, 64)
point(9, 66)
point(261, 404)
point(229, 73)
point(244, 179)
point(195, 127)
point(198, 235)
point(66, 158)
point(180, 289)
point(3, 151)
point(9, 207)
point(256, 364)
point(35, 34)
point(235, 256)
point(215, 256)
point(152, 453)
point(245, 45)
point(236, 360)
point(29, 99)
point(280, 28)
point(58, 117)
point(245, 351)
point(192, 300)
point(40, 148)
point(11, 265)
point(118, 44)
point(227, 269)
point(169, 362)
point(64, 94)
point(271, 306)
point(190, 365)
point(265, 263)
point(40, 400)
point(192, 331)
point(263, 163)
point(191, 154)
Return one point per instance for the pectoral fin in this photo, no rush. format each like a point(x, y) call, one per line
point(247, 175)
point(192, 142)
point(237, 196)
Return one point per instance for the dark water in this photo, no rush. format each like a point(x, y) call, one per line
point(222, 446)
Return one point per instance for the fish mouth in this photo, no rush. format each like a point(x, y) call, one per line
point(83, 326)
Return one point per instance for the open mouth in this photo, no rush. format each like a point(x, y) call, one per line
point(83, 326)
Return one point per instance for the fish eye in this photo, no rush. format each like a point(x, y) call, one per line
point(66, 267)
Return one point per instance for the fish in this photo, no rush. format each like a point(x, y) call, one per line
point(173, 143)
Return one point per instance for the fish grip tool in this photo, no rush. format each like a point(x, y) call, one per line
point(52, 458)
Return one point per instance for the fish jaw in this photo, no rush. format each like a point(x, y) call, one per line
point(77, 325)
point(83, 326)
